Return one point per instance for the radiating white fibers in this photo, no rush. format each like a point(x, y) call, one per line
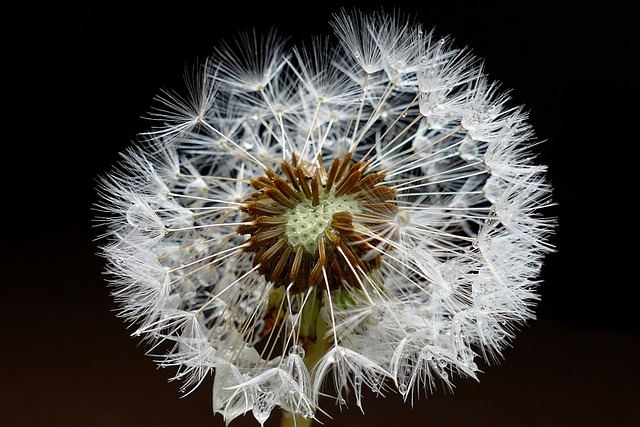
point(368, 214)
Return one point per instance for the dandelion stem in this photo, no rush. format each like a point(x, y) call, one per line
point(315, 348)
point(290, 420)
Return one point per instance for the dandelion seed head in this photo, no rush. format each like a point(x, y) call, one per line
point(367, 214)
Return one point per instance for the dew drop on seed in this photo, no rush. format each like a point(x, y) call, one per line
point(466, 355)
point(377, 313)
point(297, 350)
point(403, 219)
point(261, 411)
point(469, 150)
point(492, 189)
point(357, 382)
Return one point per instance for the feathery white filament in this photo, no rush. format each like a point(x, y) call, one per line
point(432, 257)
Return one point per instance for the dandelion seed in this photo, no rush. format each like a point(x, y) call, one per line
point(367, 214)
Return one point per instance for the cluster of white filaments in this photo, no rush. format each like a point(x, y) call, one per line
point(365, 214)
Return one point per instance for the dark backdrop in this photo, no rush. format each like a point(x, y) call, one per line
point(80, 78)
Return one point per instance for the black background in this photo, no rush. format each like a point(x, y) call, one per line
point(78, 81)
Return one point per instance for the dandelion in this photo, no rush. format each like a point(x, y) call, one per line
point(306, 223)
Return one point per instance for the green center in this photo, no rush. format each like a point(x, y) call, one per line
point(305, 222)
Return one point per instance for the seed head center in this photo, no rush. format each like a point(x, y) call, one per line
point(306, 222)
point(311, 226)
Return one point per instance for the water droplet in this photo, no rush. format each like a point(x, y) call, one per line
point(493, 189)
point(466, 354)
point(261, 411)
point(357, 382)
point(297, 350)
point(377, 313)
point(402, 389)
point(469, 150)
point(403, 219)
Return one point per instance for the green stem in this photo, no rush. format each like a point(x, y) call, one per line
point(315, 349)
point(290, 420)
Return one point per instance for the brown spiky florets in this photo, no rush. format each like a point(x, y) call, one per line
point(314, 222)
